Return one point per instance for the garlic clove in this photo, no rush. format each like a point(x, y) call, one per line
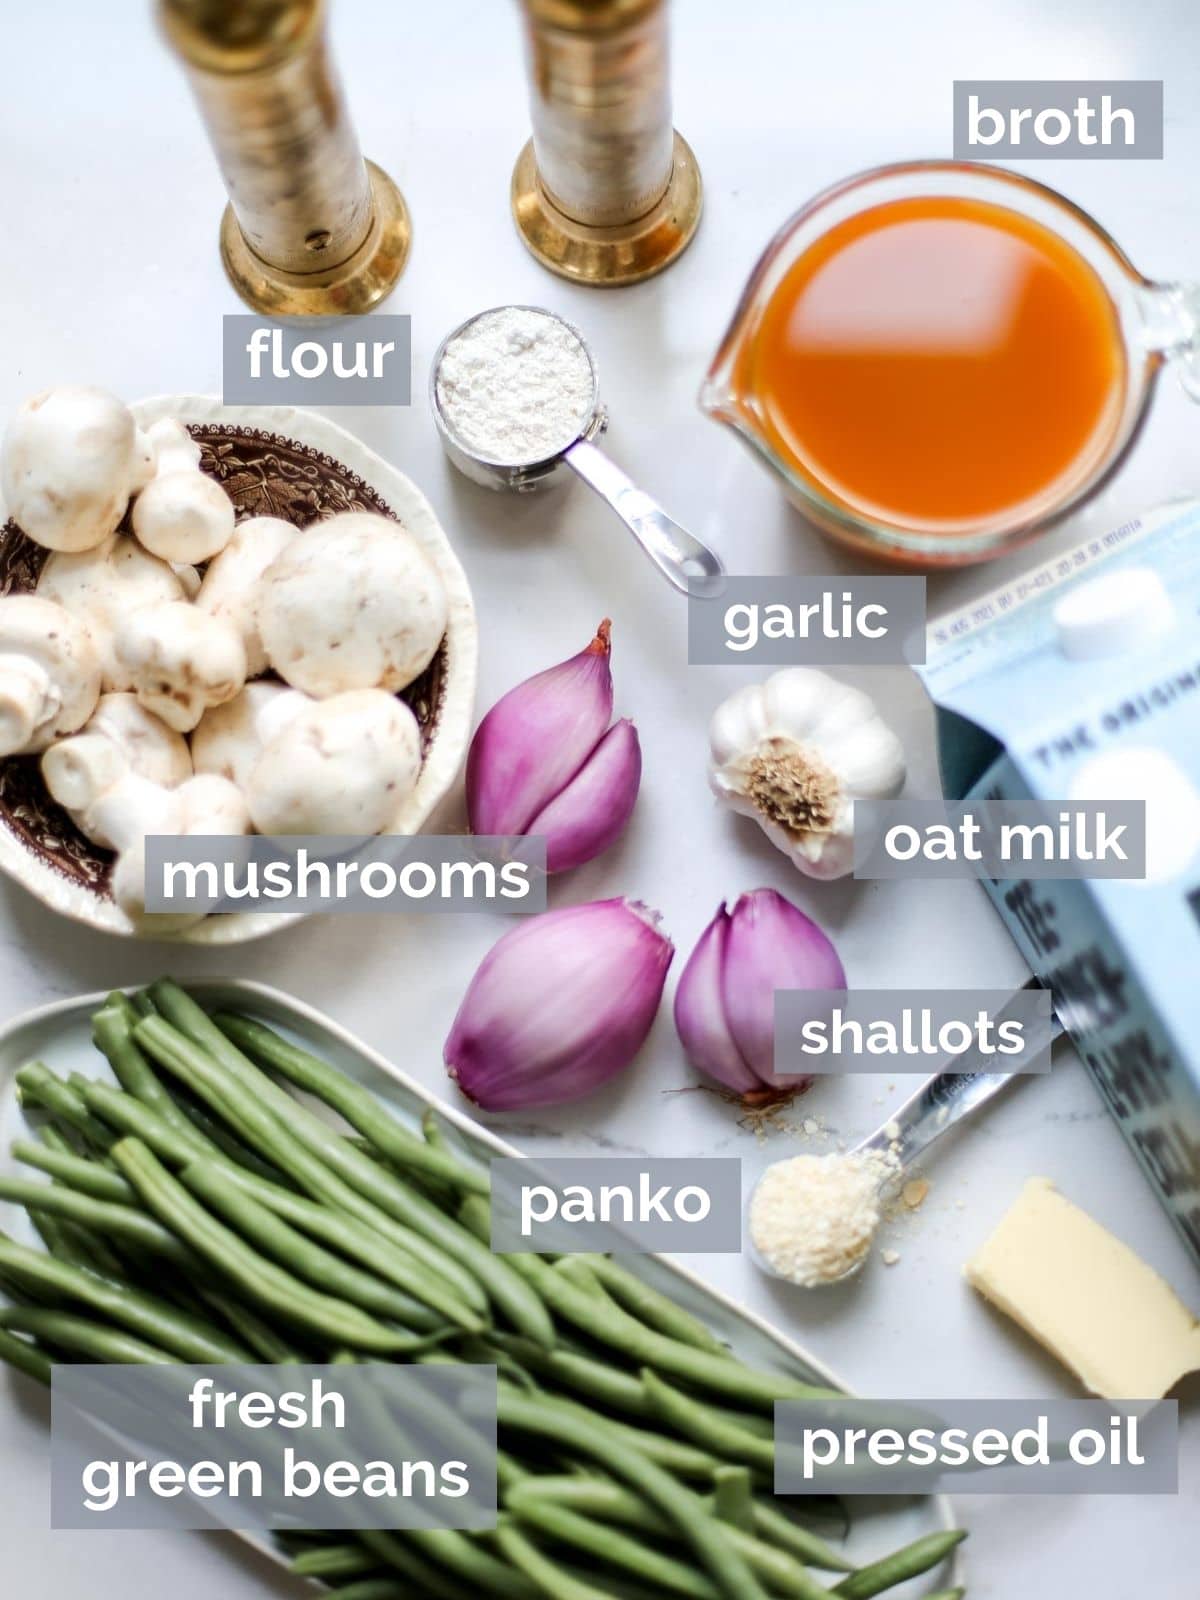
point(795, 752)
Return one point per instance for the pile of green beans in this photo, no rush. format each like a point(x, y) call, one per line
point(197, 1211)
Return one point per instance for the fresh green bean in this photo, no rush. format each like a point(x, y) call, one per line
point(82, 1337)
point(610, 1325)
point(24, 1357)
point(344, 1233)
point(76, 1172)
point(396, 1553)
point(189, 1337)
point(609, 1545)
point(610, 1502)
point(920, 1556)
point(37, 1085)
point(334, 1561)
point(697, 1423)
point(239, 1103)
point(777, 1528)
point(596, 1438)
point(370, 1589)
point(733, 1497)
point(120, 1221)
point(268, 1285)
point(547, 1577)
point(360, 1108)
point(258, 1336)
point(312, 1262)
point(383, 1190)
point(112, 1034)
point(598, 1380)
point(651, 1307)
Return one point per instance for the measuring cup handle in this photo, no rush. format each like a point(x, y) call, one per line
point(682, 559)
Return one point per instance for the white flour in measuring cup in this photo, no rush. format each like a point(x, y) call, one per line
point(516, 385)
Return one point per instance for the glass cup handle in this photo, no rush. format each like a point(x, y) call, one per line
point(1171, 328)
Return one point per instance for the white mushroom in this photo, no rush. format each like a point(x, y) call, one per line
point(103, 586)
point(145, 460)
point(68, 465)
point(229, 739)
point(151, 748)
point(181, 661)
point(174, 448)
point(49, 674)
point(341, 765)
point(122, 738)
point(124, 813)
point(127, 884)
point(183, 516)
point(213, 805)
point(231, 584)
point(352, 603)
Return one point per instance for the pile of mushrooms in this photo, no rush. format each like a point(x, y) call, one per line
point(136, 671)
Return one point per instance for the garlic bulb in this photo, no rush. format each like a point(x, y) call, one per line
point(795, 753)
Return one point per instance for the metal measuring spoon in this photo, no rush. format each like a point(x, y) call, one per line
point(941, 1101)
point(681, 558)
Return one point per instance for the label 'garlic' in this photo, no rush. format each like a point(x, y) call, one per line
point(795, 753)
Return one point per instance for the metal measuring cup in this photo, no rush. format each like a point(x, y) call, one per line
point(681, 558)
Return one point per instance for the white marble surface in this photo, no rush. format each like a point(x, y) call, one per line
point(110, 275)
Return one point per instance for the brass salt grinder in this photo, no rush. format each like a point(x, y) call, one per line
point(605, 192)
point(311, 228)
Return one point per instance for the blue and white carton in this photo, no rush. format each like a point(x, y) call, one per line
point(1081, 680)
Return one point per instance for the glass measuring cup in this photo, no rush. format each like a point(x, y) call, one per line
point(1156, 323)
point(691, 567)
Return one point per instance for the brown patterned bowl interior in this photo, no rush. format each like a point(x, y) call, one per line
point(265, 475)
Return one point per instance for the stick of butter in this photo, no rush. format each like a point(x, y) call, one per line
point(1087, 1297)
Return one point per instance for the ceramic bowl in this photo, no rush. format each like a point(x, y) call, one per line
point(272, 461)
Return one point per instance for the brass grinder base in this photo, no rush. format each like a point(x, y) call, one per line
point(608, 257)
point(359, 283)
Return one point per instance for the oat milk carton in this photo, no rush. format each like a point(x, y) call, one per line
point(1081, 680)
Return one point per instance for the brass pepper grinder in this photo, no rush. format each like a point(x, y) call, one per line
point(605, 192)
point(311, 228)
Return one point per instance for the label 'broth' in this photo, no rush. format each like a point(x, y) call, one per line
point(939, 363)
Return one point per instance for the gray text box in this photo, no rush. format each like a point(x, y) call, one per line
point(1000, 839)
point(368, 1446)
point(782, 621)
point(825, 1031)
point(1046, 119)
point(976, 1446)
point(317, 361)
point(691, 1204)
point(345, 872)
